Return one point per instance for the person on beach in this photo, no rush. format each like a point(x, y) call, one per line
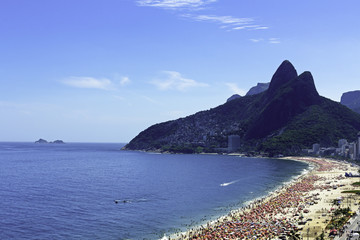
point(271, 217)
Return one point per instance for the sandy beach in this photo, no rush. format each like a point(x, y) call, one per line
point(303, 209)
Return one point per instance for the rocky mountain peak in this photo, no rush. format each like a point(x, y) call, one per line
point(233, 97)
point(289, 116)
point(259, 88)
point(305, 86)
point(285, 73)
point(286, 101)
point(351, 99)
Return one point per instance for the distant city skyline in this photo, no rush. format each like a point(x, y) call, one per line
point(102, 71)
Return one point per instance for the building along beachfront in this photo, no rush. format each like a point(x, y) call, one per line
point(344, 149)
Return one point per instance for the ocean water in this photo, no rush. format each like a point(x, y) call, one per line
point(67, 191)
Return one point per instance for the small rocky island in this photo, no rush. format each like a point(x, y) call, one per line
point(45, 141)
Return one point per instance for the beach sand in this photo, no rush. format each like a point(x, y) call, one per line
point(303, 208)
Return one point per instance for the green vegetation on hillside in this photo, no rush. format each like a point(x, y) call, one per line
point(325, 124)
point(286, 118)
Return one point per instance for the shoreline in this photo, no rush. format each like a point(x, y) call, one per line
point(306, 199)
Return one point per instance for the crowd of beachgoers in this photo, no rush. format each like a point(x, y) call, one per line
point(272, 217)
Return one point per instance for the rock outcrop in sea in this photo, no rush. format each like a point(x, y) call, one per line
point(45, 141)
point(41, 141)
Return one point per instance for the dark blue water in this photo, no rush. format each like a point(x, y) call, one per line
point(67, 191)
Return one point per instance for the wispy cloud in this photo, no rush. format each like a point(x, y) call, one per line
point(89, 82)
point(228, 22)
point(221, 19)
point(256, 40)
point(235, 89)
point(124, 81)
point(270, 40)
point(175, 81)
point(149, 99)
point(175, 4)
point(274, 40)
point(95, 83)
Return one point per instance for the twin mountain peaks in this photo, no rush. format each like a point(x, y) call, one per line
point(287, 117)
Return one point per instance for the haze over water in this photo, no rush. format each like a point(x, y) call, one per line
point(67, 191)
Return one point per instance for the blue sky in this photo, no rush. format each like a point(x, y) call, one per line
point(102, 71)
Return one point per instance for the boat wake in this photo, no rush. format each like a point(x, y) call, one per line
point(130, 200)
point(228, 183)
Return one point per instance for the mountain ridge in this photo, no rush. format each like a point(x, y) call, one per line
point(274, 121)
point(351, 100)
point(259, 88)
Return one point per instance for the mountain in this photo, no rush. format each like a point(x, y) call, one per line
point(259, 88)
point(233, 97)
point(351, 100)
point(288, 116)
